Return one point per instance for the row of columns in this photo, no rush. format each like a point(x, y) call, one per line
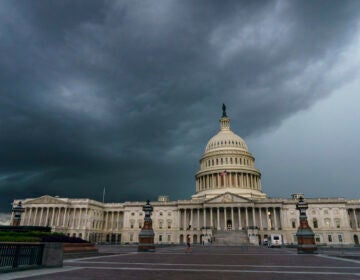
point(230, 179)
point(113, 220)
point(270, 215)
point(55, 217)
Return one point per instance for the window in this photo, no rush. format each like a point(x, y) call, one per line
point(340, 238)
point(329, 238)
point(169, 238)
point(132, 214)
point(293, 224)
point(327, 222)
point(315, 223)
point(131, 237)
point(160, 225)
point(160, 238)
point(317, 238)
point(236, 160)
point(231, 161)
point(161, 213)
point(132, 226)
point(337, 222)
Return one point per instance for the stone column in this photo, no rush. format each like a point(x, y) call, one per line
point(74, 217)
point(239, 212)
point(185, 222)
point(260, 218)
point(225, 219)
point(275, 219)
point(246, 217)
point(204, 217)
point(106, 220)
point(29, 218)
point(236, 180)
point(355, 219)
point(41, 215)
point(52, 216)
point(112, 221)
point(211, 217)
point(218, 218)
point(80, 219)
point(47, 216)
point(191, 218)
point(64, 219)
point(58, 217)
point(230, 180)
point(253, 216)
point(179, 218)
point(218, 180)
point(198, 219)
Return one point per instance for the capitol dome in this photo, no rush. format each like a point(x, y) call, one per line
point(227, 166)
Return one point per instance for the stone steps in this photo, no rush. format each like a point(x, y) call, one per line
point(231, 237)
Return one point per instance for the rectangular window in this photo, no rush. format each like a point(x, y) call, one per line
point(293, 224)
point(329, 238)
point(160, 238)
point(131, 237)
point(169, 238)
point(340, 238)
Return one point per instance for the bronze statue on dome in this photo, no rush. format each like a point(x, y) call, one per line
point(224, 111)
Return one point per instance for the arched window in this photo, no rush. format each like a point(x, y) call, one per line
point(231, 161)
point(217, 161)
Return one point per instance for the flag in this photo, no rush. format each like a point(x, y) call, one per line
point(223, 173)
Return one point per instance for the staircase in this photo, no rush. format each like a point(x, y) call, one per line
point(231, 237)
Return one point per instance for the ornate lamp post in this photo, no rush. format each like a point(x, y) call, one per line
point(305, 235)
point(146, 235)
point(17, 210)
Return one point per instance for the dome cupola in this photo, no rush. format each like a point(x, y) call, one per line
point(227, 166)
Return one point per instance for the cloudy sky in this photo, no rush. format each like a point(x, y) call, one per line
point(126, 94)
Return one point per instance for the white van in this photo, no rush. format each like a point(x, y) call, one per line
point(275, 240)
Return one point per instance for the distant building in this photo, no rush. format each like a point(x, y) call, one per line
point(228, 207)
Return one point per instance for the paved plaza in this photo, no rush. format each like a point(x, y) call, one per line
point(203, 263)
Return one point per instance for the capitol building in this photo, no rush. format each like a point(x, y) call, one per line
point(228, 207)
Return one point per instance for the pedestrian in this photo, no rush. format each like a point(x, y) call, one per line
point(188, 244)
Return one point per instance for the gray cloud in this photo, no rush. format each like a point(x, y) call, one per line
point(125, 94)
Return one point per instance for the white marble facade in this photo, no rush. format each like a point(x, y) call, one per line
point(228, 199)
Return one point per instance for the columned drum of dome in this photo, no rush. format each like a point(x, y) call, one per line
point(227, 166)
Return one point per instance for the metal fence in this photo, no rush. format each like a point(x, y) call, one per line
point(20, 256)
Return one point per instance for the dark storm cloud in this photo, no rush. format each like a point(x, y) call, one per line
point(125, 94)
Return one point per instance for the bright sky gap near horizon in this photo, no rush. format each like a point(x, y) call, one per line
point(126, 94)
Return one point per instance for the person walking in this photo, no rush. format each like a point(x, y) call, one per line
point(188, 244)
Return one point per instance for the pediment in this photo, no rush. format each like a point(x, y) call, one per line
point(228, 198)
point(46, 199)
